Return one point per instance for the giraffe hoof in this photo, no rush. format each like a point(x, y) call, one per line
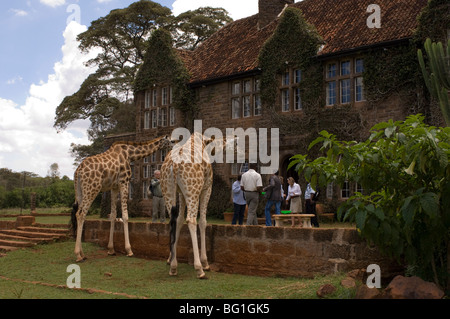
point(81, 260)
point(111, 253)
point(130, 255)
point(173, 273)
point(207, 268)
point(203, 277)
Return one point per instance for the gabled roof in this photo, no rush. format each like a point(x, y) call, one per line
point(342, 24)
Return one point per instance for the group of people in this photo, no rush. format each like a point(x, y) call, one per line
point(249, 185)
point(246, 192)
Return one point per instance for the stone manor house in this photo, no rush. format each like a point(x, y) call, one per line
point(226, 78)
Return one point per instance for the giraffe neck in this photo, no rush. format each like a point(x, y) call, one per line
point(138, 151)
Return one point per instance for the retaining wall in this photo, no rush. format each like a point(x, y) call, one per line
point(253, 250)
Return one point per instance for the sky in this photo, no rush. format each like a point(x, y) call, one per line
point(40, 64)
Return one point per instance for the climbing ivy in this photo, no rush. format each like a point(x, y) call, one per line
point(294, 44)
point(162, 64)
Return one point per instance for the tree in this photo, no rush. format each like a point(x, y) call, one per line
point(191, 28)
point(53, 172)
point(106, 96)
point(405, 209)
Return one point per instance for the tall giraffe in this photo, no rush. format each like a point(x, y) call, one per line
point(187, 173)
point(110, 170)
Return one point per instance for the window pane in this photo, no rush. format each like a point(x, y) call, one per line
point(235, 108)
point(257, 102)
point(236, 88)
point(247, 112)
point(285, 100)
point(345, 91)
point(331, 93)
point(285, 78)
point(298, 100)
point(345, 68)
point(359, 89)
point(331, 70)
point(247, 86)
point(297, 76)
point(359, 65)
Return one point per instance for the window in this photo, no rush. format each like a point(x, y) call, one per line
point(290, 90)
point(345, 91)
point(154, 98)
point(331, 93)
point(236, 108)
point(297, 99)
point(247, 108)
point(245, 100)
point(146, 171)
point(145, 186)
point(285, 101)
point(345, 68)
point(172, 116)
point(297, 76)
point(148, 96)
point(359, 89)
point(331, 70)
point(146, 120)
point(154, 118)
point(165, 96)
point(345, 190)
point(344, 81)
point(162, 119)
point(257, 108)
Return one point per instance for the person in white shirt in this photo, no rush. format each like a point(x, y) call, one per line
point(310, 204)
point(294, 194)
point(239, 202)
point(251, 184)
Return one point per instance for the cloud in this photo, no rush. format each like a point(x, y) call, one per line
point(19, 13)
point(237, 9)
point(53, 3)
point(28, 140)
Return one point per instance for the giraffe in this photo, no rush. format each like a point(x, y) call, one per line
point(187, 173)
point(110, 170)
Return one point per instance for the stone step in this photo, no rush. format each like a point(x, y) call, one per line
point(6, 249)
point(27, 234)
point(32, 229)
point(61, 226)
point(21, 238)
point(16, 243)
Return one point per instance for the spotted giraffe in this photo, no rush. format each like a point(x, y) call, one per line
point(110, 170)
point(187, 171)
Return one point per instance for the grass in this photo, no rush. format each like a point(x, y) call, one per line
point(139, 278)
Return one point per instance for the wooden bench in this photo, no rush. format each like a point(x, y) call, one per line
point(305, 218)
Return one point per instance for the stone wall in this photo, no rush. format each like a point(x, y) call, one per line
point(253, 250)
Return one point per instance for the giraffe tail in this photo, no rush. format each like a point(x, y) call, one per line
point(73, 219)
point(173, 230)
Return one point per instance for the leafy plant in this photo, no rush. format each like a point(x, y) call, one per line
point(404, 170)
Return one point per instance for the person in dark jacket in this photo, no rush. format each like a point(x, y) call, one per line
point(273, 195)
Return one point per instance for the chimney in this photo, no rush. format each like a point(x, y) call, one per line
point(269, 10)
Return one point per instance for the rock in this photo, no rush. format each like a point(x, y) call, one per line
point(364, 292)
point(348, 283)
point(325, 290)
point(357, 274)
point(412, 288)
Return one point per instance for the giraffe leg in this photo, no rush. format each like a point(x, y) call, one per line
point(180, 221)
point(124, 199)
point(81, 216)
point(112, 219)
point(192, 224)
point(204, 199)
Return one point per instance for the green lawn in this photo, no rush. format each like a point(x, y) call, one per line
point(47, 264)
